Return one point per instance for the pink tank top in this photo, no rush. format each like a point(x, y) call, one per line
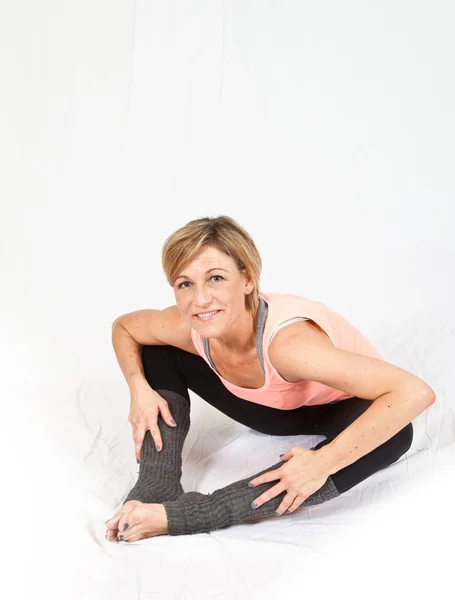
point(276, 310)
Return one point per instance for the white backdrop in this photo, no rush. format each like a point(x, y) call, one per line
point(326, 129)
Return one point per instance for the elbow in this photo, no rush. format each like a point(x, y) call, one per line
point(425, 392)
point(421, 394)
point(432, 397)
point(428, 395)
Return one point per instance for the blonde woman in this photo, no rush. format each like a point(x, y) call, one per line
point(281, 364)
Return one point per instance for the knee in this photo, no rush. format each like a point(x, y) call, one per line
point(407, 435)
point(151, 351)
point(155, 355)
point(402, 440)
point(155, 359)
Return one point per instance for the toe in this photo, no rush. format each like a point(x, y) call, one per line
point(130, 536)
point(112, 523)
point(127, 520)
point(111, 537)
point(112, 531)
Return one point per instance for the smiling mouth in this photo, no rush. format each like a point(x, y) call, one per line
point(209, 318)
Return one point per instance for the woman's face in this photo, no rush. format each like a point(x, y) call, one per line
point(211, 282)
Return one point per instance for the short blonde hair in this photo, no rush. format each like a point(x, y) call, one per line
point(225, 234)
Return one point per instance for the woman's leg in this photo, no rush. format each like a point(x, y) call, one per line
point(160, 472)
point(177, 370)
point(170, 372)
point(324, 419)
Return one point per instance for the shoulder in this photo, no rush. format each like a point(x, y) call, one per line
point(296, 338)
point(307, 330)
point(176, 329)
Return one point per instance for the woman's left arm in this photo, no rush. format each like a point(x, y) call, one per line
point(399, 396)
point(386, 416)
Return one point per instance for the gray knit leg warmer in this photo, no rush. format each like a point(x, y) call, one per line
point(193, 512)
point(160, 472)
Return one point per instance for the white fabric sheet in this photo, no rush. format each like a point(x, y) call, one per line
point(383, 535)
point(326, 129)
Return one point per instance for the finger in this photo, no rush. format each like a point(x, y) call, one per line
point(166, 414)
point(156, 435)
point(298, 501)
point(138, 437)
point(268, 495)
point(286, 456)
point(286, 503)
point(266, 477)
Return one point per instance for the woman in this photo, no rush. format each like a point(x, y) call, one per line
point(278, 363)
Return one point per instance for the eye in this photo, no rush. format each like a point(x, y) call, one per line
point(185, 288)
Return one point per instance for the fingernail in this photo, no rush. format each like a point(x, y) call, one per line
point(120, 537)
point(173, 422)
point(277, 514)
point(282, 454)
point(158, 448)
point(125, 526)
point(251, 485)
point(137, 460)
point(254, 505)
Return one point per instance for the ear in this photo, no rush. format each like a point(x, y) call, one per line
point(249, 284)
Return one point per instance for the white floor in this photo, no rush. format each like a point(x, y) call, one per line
point(391, 535)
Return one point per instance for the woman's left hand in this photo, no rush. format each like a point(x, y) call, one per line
point(304, 472)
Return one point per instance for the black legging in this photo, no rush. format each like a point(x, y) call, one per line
point(170, 368)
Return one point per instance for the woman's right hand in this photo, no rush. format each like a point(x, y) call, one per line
point(145, 407)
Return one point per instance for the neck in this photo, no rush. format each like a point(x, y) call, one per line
point(241, 339)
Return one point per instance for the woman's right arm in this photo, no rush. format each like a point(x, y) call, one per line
point(145, 403)
point(129, 356)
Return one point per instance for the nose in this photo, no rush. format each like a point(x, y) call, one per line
point(202, 298)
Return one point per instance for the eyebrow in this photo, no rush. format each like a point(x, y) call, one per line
point(214, 269)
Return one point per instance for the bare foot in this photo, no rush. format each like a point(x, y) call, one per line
point(138, 521)
point(112, 524)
